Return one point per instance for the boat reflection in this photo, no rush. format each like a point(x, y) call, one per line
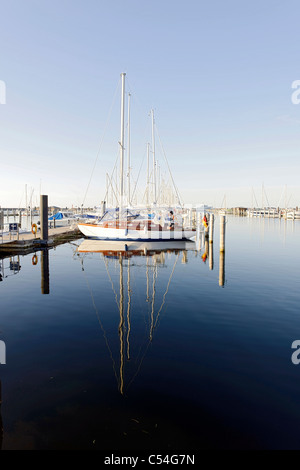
point(127, 249)
point(126, 257)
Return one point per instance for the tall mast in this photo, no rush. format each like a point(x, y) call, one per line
point(153, 151)
point(158, 183)
point(122, 140)
point(148, 145)
point(128, 152)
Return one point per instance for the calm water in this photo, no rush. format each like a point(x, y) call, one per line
point(155, 350)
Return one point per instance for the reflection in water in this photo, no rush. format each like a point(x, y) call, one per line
point(12, 268)
point(222, 269)
point(211, 256)
point(1, 423)
point(45, 287)
point(124, 257)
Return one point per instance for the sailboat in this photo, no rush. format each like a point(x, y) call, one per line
point(136, 224)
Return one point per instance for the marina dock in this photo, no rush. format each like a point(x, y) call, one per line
point(26, 242)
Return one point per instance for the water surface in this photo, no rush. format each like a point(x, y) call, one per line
point(168, 350)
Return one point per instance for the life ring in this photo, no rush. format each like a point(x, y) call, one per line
point(34, 260)
point(34, 229)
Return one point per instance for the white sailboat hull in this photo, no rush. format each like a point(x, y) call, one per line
point(108, 233)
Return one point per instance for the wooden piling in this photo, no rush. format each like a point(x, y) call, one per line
point(211, 228)
point(198, 240)
point(206, 229)
point(222, 232)
point(44, 217)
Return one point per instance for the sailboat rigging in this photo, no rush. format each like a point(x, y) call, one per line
point(125, 222)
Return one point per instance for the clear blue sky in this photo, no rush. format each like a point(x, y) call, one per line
point(217, 73)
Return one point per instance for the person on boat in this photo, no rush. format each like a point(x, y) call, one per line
point(172, 220)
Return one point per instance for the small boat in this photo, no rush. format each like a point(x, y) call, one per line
point(63, 218)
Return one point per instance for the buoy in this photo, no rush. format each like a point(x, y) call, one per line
point(34, 229)
point(34, 260)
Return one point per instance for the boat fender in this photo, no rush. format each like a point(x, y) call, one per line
point(34, 229)
point(126, 232)
point(34, 260)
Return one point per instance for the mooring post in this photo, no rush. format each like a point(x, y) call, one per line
point(211, 228)
point(222, 232)
point(44, 217)
point(206, 229)
point(198, 241)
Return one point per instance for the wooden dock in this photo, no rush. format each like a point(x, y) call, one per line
point(26, 242)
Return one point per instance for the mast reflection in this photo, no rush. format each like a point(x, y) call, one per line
point(126, 256)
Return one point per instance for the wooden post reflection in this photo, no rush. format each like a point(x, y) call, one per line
point(45, 285)
point(1, 422)
point(222, 269)
point(211, 256)
point(222, 251)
